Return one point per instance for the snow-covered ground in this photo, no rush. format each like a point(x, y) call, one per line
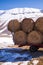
point(16, 13)
point(6, 41)
point(21, 63)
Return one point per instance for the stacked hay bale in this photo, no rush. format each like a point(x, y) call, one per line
point(13, 25)
point(27, 32)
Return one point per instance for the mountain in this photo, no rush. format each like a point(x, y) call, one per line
point(17, 13)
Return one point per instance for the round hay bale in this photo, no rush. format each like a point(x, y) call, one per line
point(14, 25)
point(27, 25)
point(19, 38)
point(39, 24)
point(34, 37)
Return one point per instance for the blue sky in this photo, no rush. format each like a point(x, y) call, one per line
point(8, 4)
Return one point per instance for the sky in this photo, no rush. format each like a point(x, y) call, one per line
point(9, 4)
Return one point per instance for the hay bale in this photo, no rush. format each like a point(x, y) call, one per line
point(34, 37)
point(27, 25)
point(19, 38)
point(39, 24)
point(13, 25)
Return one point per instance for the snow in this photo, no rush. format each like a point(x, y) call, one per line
point(35, 62)
point(7, 63)
point(6, 41)
point(1, 11)
point(21, 63)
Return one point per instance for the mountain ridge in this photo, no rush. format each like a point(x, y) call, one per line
point(17, 10)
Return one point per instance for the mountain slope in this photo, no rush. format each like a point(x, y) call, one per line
point(17, 13)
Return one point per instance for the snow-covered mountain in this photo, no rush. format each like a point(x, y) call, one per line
point(17, 13)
